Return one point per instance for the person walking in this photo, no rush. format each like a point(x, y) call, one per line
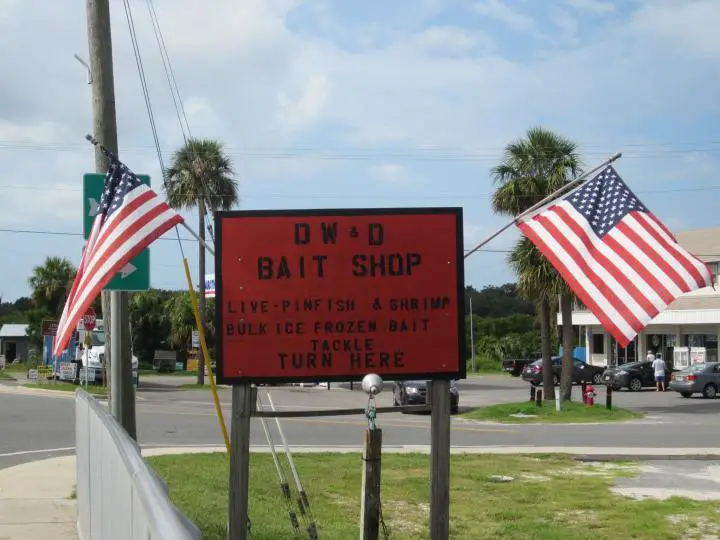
point(650, 357)
point(659, 368)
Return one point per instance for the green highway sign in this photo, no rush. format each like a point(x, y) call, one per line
point(135, 276)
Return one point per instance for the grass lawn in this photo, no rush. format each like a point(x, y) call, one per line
point(4, 376)
point(16, 368)
point(68, 387)
point(551, 497)
point(572, 412)
point(206, 386)
point(152, 372)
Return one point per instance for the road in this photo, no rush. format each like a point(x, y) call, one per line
point(42, 425)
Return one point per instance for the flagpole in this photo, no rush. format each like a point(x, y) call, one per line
point(554, 195)
point(204, 244)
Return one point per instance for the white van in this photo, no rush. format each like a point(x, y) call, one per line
point(96, 354)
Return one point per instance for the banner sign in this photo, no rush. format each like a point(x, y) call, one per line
point(67, 371)
point(209, 285)
point(332, 295)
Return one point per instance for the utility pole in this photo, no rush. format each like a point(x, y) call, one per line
point(114, 303)
point(201, 285)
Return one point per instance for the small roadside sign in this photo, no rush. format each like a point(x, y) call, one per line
point(89, 320)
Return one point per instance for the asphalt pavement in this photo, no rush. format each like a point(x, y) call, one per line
point(38, 425)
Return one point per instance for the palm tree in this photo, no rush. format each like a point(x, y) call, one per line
point(531, 169)
point(201, 176)
point(51, 283)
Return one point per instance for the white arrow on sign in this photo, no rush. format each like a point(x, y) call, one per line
point(126, 270)
point(94, 207)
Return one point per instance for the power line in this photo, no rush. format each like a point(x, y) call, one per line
point(72, 234)
point(420, 153)
point(10, 187)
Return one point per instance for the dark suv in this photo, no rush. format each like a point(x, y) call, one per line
point(582, 372)
point(415, 393)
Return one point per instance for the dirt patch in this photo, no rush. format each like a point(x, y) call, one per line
point(584, 517)
point(694, 528)
point(405, 517)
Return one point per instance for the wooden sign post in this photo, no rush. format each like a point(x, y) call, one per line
point(244, 400)
point(370, 494)
point(439, 397)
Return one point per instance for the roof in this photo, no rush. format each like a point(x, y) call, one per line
point(705, 298)
point(13, 330)
point(703, 243)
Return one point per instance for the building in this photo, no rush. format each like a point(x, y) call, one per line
point(14, 342)
point(686, 332)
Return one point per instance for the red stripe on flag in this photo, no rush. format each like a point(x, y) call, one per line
point(653, 255)
point(643, 272)
point(607, 263)
point(671, 249)
point(581, 293)
point(579, 258)
point(86, 297)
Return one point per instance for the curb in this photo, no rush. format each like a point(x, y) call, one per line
point(19, 389)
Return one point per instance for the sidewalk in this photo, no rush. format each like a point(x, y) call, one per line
point(35, 501)
point(36, 504)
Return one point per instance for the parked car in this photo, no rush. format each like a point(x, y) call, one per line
point(515, 366)
point(634, 376)
point(697, 379)
point(415, 393)
point(582, 372)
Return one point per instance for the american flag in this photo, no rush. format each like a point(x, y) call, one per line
point(615, 255)
point(131, 216)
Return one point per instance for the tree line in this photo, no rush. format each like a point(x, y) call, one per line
point(504, 324)
point(159, 319)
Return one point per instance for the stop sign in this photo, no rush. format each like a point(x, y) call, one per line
point(89, 319)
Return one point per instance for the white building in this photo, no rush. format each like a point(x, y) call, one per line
point(686, 332)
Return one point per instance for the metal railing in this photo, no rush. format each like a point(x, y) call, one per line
point(118, 494)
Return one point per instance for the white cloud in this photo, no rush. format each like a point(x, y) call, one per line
point(567, 23)
point(500, 11)
point(449, 40)
point(303, 110)
point(595, 6)
point(686, 28)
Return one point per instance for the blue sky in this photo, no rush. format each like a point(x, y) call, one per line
point(352, 104)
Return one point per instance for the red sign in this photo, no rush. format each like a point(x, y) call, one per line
point(89, 320)
point(332, 295)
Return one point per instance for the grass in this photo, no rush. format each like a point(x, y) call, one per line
point(68, 387)
point(572, 412)
point(195, 386)
point(17, 368)
point(6, 376)
point(551, 497)
point(152, 372)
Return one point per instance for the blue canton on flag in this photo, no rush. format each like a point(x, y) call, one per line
point(605, 200)
point(119, 181)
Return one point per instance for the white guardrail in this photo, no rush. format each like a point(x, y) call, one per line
point(118, 495)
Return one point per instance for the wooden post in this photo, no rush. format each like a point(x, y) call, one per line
point(439, 394)
point(370, 503)
point(244, 399)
